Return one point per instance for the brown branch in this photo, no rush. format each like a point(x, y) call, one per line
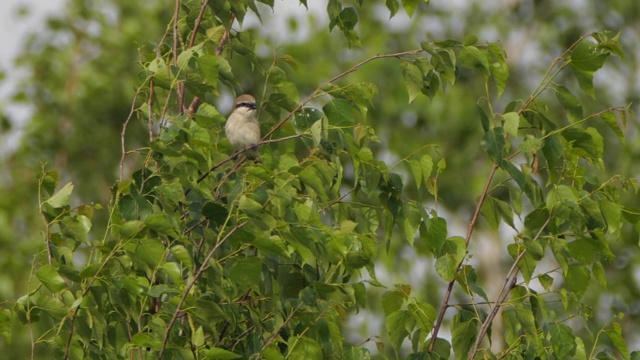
point(277, 332)
point(472, 226)
point(86, 289)
point(337, 200)
point(547, 78)
point(225, 36)
point(197, 23)
point(241, 151)
point(509, 283)
point(124, 132)
point(195, 103)
point(176, 15)
point(315, 92)
point(187, 290)
point(150, 108)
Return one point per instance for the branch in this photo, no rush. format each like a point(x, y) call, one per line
point(176, 15)
point(195, 103)
point(241, 151)
point(124, 132)
point(187, 290)
point(509, 283)
point(277, 332)
point(150, 109)
point(197, 23)
point(334, 79)
point(472, 226)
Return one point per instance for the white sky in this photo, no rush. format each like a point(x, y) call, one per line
point(13, 31)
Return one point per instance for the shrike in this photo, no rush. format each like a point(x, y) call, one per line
point(242, 127)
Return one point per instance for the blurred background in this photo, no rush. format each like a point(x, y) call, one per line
point(69, 70)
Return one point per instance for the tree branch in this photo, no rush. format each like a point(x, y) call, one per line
point(509, 283)
point(187, 290)
point(472, 226)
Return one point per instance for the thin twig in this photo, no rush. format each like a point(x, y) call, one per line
point(334, 79)
point(124, 132)
point(195, 103)
point(176, 16)
point(546, 79)
point(150, 108)
point(277, 332)
point(241, 151)
point(187, 290)
point(337, 200)
point(86, 289)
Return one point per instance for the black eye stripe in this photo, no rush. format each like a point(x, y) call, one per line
point(250, 105)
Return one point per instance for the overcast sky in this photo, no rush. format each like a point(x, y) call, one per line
point(13, 30)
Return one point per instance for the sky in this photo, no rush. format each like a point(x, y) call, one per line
point(14, 29)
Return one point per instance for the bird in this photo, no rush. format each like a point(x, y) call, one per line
point(242, 127)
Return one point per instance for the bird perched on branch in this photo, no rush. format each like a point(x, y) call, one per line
point(242, 127)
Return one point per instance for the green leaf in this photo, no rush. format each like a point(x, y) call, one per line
point(588, 140)
point(150, 251)
point(339, 112)
point(598, 273)
point(546, 281)
point(306, 117)
point(446, 266)
point(552, 150)
point(430, 84)
point(561, 195)
point(412, 77)
point(146, 340)
point(577, 279)
point(468, 279)
point(612, 214)
point(421, 169)
point(464, 331)
point(499, 69)
point(442, 348)
point(585, 80)
point(615, 334)
point(433, 234)
point(587, 57)
point(493, 144)
point(396, 325)
point(303, 347)
point(527, 321)
point(245, 272)
point(209, 68)
point(424, 315)
point(215, 212)
point(611, 120)
point(511, 123)
point(392, 301)
point(445, 64)
point(473, 57)
point(484, 118)
point(348, 18)
point(162, 224)
point(273, 245)
point(570, 102)
point(50, 278)
point(61, 197)
point(393, 7)
point(410, 6)
point(563, 341)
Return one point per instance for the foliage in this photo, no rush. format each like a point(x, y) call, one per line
point(209, 255)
